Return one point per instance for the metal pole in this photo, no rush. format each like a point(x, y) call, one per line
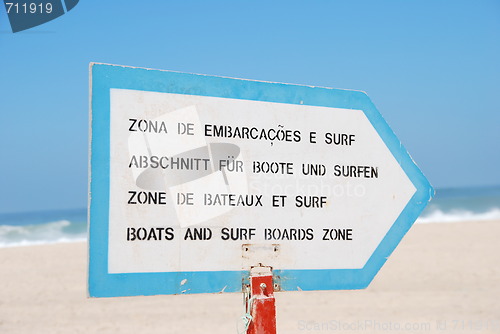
point(263, 308)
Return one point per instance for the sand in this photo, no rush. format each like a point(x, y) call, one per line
point(443, 278)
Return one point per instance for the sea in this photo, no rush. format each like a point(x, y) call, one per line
point(58, 226)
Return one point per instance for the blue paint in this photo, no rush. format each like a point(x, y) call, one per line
point(102, 284)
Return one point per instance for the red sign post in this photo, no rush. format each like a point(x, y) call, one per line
point(262, 305)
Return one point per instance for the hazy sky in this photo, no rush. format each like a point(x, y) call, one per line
point(432, 68)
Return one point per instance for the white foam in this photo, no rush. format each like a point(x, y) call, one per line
point(38, 234)
point(438, 216)
point(25, 243)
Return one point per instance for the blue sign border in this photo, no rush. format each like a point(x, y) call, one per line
point(102, 284)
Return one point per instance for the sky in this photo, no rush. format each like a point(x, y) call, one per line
point(432, 68)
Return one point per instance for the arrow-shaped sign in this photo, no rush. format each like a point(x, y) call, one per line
point(195, 179)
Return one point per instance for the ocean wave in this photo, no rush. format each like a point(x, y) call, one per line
point(38, 234)
point(458, 215)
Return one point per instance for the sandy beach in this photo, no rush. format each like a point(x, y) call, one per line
point(442, 278)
